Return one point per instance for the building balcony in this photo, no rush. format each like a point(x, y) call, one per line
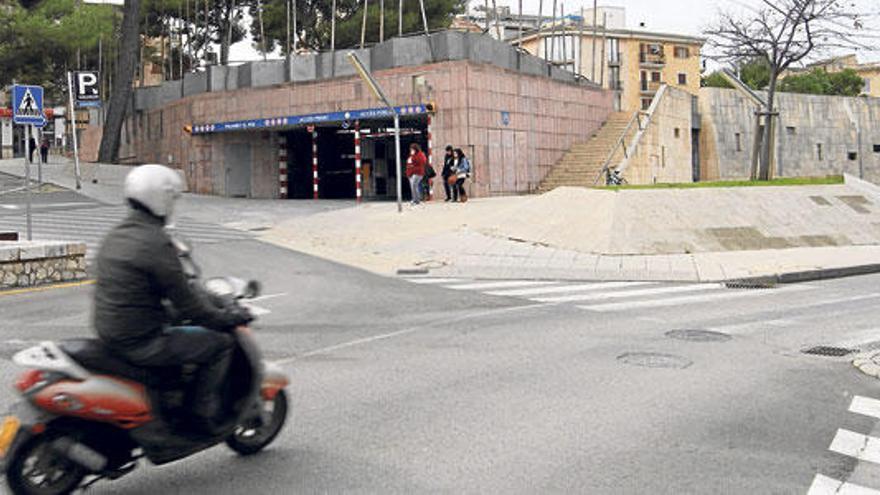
point(650, 87)
point(652, 59)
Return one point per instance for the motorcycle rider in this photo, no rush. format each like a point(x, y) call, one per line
point(138, 272)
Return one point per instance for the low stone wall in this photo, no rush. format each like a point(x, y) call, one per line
point(28, 264)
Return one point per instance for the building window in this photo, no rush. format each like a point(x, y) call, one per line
point(646, 103)
point(739, 143)
point(682, 52)
point(791, 130)
point(867, 88)
point(655, 77)
point(677, 133)
point(819, 152)
point(682, 79)
point(877, 148)
point(852, 156)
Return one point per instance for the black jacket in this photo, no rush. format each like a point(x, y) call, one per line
point(137, 269)
point(447, 166)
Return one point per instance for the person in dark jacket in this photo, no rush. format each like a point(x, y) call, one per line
point(448, 165)
point(44, 150)
point(138, 272)
point(32, 147)
point(462, 169)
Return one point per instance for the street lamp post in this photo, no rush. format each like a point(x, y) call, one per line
point(377, 91)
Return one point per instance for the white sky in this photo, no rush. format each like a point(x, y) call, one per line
point(673, 16)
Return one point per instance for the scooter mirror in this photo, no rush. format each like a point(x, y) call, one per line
point(252, 290)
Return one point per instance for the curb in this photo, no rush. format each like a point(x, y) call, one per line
point(865, 363)
point(809, 275)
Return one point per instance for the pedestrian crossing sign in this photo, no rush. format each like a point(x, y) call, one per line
point(27, 105)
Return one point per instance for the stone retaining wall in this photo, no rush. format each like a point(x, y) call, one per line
point(28, 264)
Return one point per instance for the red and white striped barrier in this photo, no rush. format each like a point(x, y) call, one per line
point(359, 192)
point(315, 163)
point(430, 150)
point(282, 167)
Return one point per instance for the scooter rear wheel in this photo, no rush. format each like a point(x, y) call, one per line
point(37, 469)
point(247, 440)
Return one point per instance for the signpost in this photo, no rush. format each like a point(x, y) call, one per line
point(27, 110)
point(380, 95)
point(83, 88)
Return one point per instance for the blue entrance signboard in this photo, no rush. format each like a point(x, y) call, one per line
point(317, 118)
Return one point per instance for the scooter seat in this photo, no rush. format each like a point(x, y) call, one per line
point(93, 355)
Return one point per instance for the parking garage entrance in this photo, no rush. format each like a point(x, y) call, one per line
point(318, 154)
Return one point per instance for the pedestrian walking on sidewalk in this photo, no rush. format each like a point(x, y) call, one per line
point(448, 164)
point(44, 150)
point(415, 171)
point(462, 169)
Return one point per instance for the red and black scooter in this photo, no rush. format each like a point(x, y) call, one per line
point(87, 416)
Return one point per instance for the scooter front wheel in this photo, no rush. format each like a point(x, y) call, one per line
point(38, 469)
point(248, 440)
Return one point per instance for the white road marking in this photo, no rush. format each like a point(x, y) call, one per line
point(865, 406)
point(567, 288)
point(407, 331)
point(860, 337)
point(10, 207)
point(753, 326)
point(675, 301)
point(508, 284)
point(267, 297)
point(631, 293)
point(856, 445)
point(823, 485)
point(434, 281)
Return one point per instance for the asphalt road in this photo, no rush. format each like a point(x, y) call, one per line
point(428, 385)
point(415, 387)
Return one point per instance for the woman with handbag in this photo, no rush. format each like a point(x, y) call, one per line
point(462, 168)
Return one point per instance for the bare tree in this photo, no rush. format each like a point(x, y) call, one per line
point(782, 33)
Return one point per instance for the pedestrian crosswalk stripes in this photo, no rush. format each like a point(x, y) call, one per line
point(865, 406)
point(90, 225)
point(823, 485)
point(498, 285)
point(567, 288)
point(680, 301)
point(602, 296)
point(606, 295)
point(857, 446)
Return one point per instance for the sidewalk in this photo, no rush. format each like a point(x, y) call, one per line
point(570, 234)
point(103, 183)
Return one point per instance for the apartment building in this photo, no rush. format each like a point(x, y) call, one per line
point(634, 63)
point(870, 73)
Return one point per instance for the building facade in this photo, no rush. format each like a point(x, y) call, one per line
point(870, 73)
point(311, 129)
point(631, 63)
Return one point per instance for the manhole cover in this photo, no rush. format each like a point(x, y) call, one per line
point(827, 351)
point(654, 360)
point(698, 335)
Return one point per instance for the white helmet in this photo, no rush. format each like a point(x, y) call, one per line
point(155, 187)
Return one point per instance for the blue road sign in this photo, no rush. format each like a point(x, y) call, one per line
point(27, 105)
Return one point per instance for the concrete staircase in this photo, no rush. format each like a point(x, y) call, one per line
point(583, 162)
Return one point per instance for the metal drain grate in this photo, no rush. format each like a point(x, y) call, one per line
point(828, 351)
point(745, 284)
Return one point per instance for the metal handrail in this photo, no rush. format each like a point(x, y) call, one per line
point(620, 142)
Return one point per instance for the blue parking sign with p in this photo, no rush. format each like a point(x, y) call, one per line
point(27, 105)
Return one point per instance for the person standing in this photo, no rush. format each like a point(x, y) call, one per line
point(415, 171)
point(462, 172)
point(32, 147)
point(448, 164)
point(44, 150)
